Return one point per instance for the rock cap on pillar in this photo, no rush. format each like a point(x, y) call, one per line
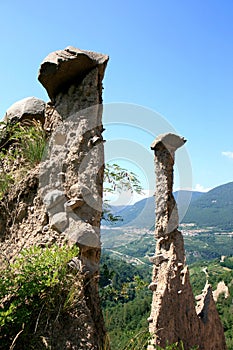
point(29, 108)
point(64, 67)
point(170, 141)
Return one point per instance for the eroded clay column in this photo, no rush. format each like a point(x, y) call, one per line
point(72, 175)
point(170, 286)
point(174, 317)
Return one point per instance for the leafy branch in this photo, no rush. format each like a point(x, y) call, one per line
point(118, 179)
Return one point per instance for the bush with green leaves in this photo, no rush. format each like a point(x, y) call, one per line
point(35, 281)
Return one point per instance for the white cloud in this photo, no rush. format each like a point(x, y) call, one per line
point(228, 154)
point(201, 188)
point(198, 188)
point(126, 197)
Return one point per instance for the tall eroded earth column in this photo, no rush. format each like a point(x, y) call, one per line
point(174, 317)
point(71, 181)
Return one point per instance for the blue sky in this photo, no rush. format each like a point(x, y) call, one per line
point(174, 57)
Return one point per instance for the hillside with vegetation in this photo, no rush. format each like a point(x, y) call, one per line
point(126, 299)
point(142, 213)
point(213, 209)
point(132, 244)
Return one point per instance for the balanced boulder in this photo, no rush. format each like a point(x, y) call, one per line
point(29, 108)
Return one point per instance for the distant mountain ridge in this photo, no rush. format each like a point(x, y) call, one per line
point(142, 213)
point(213, 208)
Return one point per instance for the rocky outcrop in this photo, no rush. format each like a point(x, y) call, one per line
point(174, 316)
point(61, 200)
point(222, 288)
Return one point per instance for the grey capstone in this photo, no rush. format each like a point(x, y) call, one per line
point(27, 108)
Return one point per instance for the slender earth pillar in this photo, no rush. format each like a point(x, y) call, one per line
point(173, 315)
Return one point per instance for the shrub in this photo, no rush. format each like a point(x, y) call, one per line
point(31, 141)
point(21, 146)
point(35, 281)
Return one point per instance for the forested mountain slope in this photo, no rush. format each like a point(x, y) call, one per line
point(214, 208)
point(142, 213)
